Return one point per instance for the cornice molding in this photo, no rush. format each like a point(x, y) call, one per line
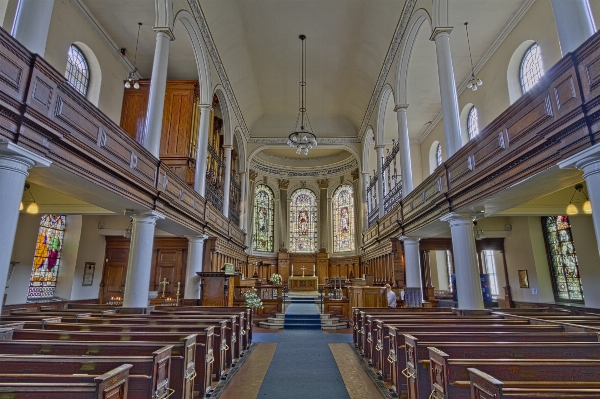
point(504, 32)
point(323, 140)
point(216, 59)
point(409, 6)
point(87, 14)
point(296, 160)
point(279, 171)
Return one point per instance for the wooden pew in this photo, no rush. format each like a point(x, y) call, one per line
point(450, 377)
point(484, 386)
point(183, 355)
point(157, 366)
point(417, 356)
point(204, 344)
point(396, 346)
point(113, 384)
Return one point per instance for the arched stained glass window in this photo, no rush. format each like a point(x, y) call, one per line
point(47, 257)
point(531, 69)
point(303, 221)
point(472, 123)
point(78, 71)
point(343, 219)
point(438, 154)
point(562, 258)
point(264, 220)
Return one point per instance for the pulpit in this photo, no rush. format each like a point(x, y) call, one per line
point(216, 288)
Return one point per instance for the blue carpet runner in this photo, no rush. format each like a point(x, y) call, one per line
point(303, 366)
point(302, 314)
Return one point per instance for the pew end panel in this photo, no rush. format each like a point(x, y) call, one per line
point(484, 386)
point(114, 384)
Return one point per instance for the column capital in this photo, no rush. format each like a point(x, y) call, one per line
point(144, 216)
point(355, 174)
point(399, 107)
point(323, 183)
point(410, 239)
point(253, 175)
point(196, 238)
point(440, 30)
point(243, 172)
point(457, 219)
point(207, 107)
point(164, 30)
point(11, 150)
point(227, 147)
point(283, 184)
point(587, 160)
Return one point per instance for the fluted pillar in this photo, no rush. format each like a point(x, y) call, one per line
point(140, 259)
point(441, 36)
point(202, 151)
point(413, 292)
point(15, 163)
point(404, 147)
point(574, 23)
point(227, 183)
point(468, 281)
point(380, 178)
point(194, 265)
point(323, 214)
point(158, 85)
point(32, 23)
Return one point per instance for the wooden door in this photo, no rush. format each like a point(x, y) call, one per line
point(169, 265)
point(113, 273)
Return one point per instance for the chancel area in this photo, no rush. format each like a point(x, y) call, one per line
point(303, 198)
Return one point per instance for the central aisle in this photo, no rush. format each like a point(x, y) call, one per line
point(299, 364)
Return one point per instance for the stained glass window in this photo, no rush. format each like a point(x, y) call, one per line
point(343, 219)
point(562, 258)
point(47, 257)
point(78, 72)
point(472, 123)
point(264, 221)
point(531, 68)
point(438, 154)
point(303, 221)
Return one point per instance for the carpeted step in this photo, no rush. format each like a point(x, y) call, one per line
point(294, 326)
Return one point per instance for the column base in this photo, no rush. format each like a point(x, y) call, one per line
point(468, 312)
point(413, 297)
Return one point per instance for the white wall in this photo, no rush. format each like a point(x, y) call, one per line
point(588, 258)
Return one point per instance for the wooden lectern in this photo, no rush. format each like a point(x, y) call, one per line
point(216, 288)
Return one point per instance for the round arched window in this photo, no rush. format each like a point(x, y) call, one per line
point(438, 154)
point(531, 69)
point(78, 71)
point(472, 123)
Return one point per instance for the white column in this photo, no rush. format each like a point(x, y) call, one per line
point(243, 200)
point(227, 184)
point(379, 150)
point(140, 259)
point(441, 36)
point(201, 155)
point(32, 23)
point(357, 210)
point(413, 292)
point(404, 146)
point(158, 85)
point(364, 201)
point(250, 216)
point(574, 23)
point(14, 166)
point(194, 265)
point(468, 282)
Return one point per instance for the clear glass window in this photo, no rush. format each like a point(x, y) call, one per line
point(472, 123)
point(78, 72)
point(531, 68)
point(438, 154)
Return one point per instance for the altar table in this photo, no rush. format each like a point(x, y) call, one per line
point(307, 283)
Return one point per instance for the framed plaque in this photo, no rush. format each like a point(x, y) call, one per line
point(88, 273)
point(523, 279)
point(229, 268)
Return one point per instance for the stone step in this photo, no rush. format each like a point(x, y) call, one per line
point(335, 326)
point(275, 320)
point(272, 326)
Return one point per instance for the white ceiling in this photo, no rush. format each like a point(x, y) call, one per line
point(347, 41)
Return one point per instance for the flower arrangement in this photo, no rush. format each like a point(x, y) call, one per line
point(276, 278)
point(252, 300)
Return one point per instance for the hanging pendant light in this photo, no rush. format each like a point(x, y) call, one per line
point(33, 207)
point(587, 205)
point(132, 78)
point(303, 139)
point(474, 82)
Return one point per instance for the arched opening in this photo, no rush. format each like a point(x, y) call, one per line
point(464, 117)
point(435, 156)
point(513, 71)
point(94, 75)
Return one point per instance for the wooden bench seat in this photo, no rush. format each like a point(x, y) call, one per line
point(450, 377)
point(113, 384)
point(157, 366)
point(417, 356)
point(484, 386)
point(204, 357)
point(183, 354)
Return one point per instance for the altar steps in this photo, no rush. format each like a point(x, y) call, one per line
point(326, 323)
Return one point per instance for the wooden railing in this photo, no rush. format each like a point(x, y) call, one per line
point(554, 120)
point(41, 112)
